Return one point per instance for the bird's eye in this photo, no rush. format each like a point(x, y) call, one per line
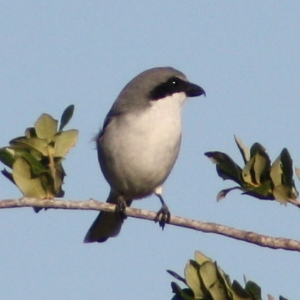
point(167, 88)
point(175, 82)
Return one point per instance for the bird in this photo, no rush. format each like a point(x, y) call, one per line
point(139, 143)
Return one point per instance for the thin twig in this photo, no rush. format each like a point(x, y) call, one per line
point(246, 236)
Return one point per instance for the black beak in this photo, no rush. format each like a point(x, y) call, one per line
point(194, 90)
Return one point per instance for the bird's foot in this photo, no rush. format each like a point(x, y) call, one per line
point(121, 208)
point(163, 216)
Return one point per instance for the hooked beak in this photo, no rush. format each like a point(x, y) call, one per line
point(194, 90)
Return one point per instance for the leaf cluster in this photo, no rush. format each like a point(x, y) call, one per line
point(258, 178)
point(205, 280)
point(35, 159)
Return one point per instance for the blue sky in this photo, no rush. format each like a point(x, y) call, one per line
point(244, 54)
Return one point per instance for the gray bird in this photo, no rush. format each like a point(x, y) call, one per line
point(139, 144)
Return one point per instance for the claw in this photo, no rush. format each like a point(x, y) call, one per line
point(163, 215)
point(121, 208)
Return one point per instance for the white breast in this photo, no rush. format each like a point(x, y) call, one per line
point(138, 150)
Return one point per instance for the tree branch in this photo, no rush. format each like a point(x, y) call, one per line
point(246, 236)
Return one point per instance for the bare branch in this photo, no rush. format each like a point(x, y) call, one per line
point(246, 236)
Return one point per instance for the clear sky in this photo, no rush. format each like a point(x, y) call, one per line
point(245, 54)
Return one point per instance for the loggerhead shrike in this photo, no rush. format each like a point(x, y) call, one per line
point(139, 144)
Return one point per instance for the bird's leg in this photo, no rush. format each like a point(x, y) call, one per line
point(121, 205)
point(163, 215)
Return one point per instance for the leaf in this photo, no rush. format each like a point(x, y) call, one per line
point(192, 278)
point(262, 163)
point(253, 289)
point(226, 167)
point(244, 150)
point(208, 273)
point(12, 153)
point(287, 168)
point(8, 175)
point(257, 148)
point(59, 179)
point(47, 182)
point(263, 191)
point(176, 289)
point(22, 176)
point(66, 116)
point(261, 167)
point(222, 194)
point(64, 141)
point(257, 167)
point(282, 169)
point(281, 194)
point(46, 127)
point(30, 132)
point(276, 171)
point(248, 173)
point(36, 166)
point(297, 171)
point(200, 258)
point(282, 177)
point(239, 292)
point(37, 144)
point(175, 275)
point(225, 280)
point(7, 156)
point(182, 294)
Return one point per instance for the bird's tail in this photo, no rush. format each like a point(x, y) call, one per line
point(106, 225)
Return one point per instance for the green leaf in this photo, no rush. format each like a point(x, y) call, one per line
point(239, 292)
point(297, 171)
point(287, 167)
point(192, 278)
point(200, 258)
point(244, 150)
point(257, 168)
point(225, 280)
point(222, 194)
point(46, 127)
point(261, 167)
point(36, 166)
point(257, 148)
point(47, 182)
point(262, 163)
point(37, 144)
point(276, 171)
point(7, 156)
point(281, 194)
point(263, 191)
point(253, 289)
point(30, 187)
point(58, 180)
point(248, 173)
point(8, 175)
point(258, 178)
point(66, 116)
point(182, 294)
point(226, 167)
point(175, 275)
point(282, 169)
point(64, 141)
point(30, 132)
point(282, 177)
point(208, 273)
